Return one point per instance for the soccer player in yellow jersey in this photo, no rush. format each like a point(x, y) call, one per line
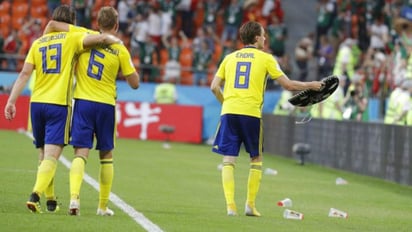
point(94, 107)
point(51, 56)
point(243, 77)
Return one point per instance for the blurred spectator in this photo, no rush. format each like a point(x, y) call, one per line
point(11, 47)
point(379, 33)
point(166, 93)
point(204, 35)
point(338, 30)
point(212, 39)
point(200, 66)
point(228, 47)
point(325, 56)
point(379, 62)
point(186, 9)
point(303, 53)
point(143, 7)
point(356, 102)
point(326, 11)
point(148, 71)
point(397, 63)
point(168, 8)
point(251, 12)
point(408, 109)
point(394, 102)
point(139, 31)
point(342, 24)
point(32, 30)
point(404, 104)
point(403, 26)
point(51, 5)
point(378, 6)
point(272, 7)
point(362, 32)
point(344, 63)
point(277, 34)
point(82, 13)
point(211, 9)
point(174, 49)
point(123, 9)
point(267, 8)
point(154, 21)
point(166, 16)
point(233, 16)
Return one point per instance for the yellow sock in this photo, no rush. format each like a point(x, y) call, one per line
point(228, 181)
point(255, 174)
point(105, 180)
point(49, 191)
point(76, 176)
point(45, 174)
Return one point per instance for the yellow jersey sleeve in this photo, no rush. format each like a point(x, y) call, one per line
point(221, 69)
point(273, 67)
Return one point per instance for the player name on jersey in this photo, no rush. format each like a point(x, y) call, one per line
point(245, 55)
point(53, 37)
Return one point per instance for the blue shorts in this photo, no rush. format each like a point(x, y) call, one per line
point(50, 123)
point(233, 130)
point(93, 119)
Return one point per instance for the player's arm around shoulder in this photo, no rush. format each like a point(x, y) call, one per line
point(92, 40)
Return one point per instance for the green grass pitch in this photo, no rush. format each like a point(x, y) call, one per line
point(179, 189)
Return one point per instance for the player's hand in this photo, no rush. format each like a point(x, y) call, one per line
point(317, 85)
point(10, 111)
point(113, 39)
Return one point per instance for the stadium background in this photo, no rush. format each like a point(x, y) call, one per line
point(390, 162)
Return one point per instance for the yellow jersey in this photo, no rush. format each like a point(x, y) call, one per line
point(245, 72)
point(53, 56)
point(97, 70)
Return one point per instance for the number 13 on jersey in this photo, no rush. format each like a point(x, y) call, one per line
point(51, 58)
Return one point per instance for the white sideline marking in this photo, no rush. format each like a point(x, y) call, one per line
point(129, 210)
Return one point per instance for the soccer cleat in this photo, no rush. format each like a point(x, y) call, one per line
point(107, 212)
point(251, 211)
point(33, 204)
point(52, 206)
point(74, 208)
point(231, 210)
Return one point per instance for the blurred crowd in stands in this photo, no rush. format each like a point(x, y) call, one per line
point(357, 40)
point(183, 41)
